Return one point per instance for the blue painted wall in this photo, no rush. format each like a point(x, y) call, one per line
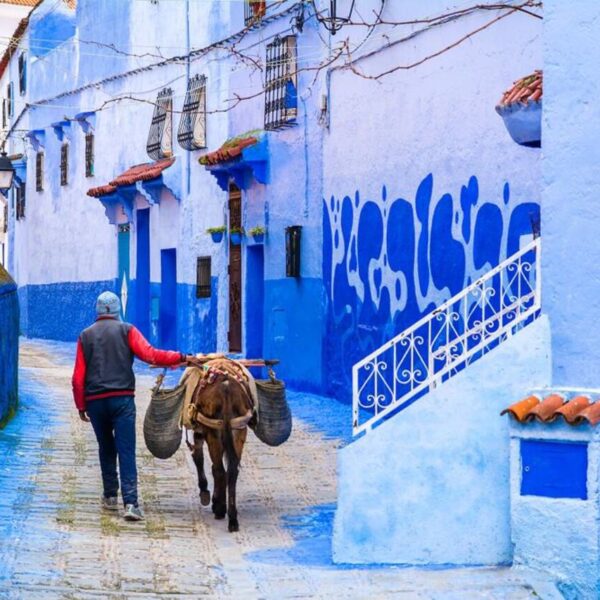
point(60, 311)
point(389, 260)
point(9, 346)
point(570, 131)
point(431, 485)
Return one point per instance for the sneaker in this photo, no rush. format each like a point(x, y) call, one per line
point(111, 503)
point(133, 513)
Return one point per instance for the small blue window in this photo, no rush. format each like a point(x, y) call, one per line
point(554, 469)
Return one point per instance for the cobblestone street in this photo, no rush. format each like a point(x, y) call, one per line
point(56, 543)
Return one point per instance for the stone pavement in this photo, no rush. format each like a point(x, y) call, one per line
point(56, 543)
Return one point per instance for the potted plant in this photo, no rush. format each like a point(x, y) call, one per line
point(258, 234)
point(235, 235)
point(216, 233)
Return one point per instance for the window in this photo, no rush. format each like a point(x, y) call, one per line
point(89, 155)
point(281, 83)
point(10, 104)
point(203, 276)
point(254, 11)
point(39, 172)
point(20, 201)
point(160, 138)
point(5, 217)
point(22, 73)
point(4, 114)
point(64, 164)
point(192, 126)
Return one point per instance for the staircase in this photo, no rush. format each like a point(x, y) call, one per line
point(447, 340)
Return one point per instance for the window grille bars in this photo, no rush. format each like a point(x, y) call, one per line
point(281, 83)
point(203, 277)
point(160, 136)
point(22, 73)
point(254, 11)
point(20, 201)
point(5, 222)
point(10, 101)
point(89, 155)
point(4, 114)
point(64, 164)
point(39, 172)
point(191, 134)
point(450, 338)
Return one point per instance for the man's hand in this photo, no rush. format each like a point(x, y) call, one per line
point(83, 416)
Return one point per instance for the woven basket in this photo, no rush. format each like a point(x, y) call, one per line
point(162, 433)
point(274, 416)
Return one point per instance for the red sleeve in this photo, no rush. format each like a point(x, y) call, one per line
point(144, 351)
point(78, 379)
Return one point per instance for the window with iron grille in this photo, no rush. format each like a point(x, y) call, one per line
point(89, 155)
point(64, 164)
point(281, 83)
point(22, 73)
point(203, 276)
point(5, 222)
point(39, 172)
point(254, 11)
point(4, 114)
point(160, 137)
point(191, 134)
point(10, 101)
point(20, 201)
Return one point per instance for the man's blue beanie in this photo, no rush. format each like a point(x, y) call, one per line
point(108, 304)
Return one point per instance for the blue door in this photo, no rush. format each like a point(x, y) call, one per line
point(167, 320)
point(142, 277)
point(123, 270)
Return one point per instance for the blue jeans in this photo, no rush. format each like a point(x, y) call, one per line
point(113, 420)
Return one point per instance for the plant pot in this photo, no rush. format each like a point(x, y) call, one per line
point(235, 238)
point(523, 122)
point(259, 238)
point(217, 237)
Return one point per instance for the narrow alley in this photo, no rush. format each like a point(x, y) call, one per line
point(56, 542)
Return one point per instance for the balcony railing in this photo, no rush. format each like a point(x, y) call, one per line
point(448, 339)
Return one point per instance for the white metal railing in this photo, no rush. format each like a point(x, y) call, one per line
point(448, 339)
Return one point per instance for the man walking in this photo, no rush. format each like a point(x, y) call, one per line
point(103, 389)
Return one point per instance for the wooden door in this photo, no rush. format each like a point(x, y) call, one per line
point(235, 273)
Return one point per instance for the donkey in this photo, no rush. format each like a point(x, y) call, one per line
point(221, 409)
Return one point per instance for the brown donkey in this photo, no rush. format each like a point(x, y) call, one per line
point(221, 409)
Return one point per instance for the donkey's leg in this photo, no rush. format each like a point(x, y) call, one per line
point(233, 462)
point(198, 456)
point(215, 448)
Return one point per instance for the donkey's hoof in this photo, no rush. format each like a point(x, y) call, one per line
point(233, 525)
point(205, 498)
point(219, 515)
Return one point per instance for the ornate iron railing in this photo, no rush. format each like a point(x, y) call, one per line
point(448, 339)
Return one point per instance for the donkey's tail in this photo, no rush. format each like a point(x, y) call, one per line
point(228, 442)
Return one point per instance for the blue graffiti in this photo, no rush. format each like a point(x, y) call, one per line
point(386, 263)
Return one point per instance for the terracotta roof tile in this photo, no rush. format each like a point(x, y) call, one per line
point(524, 90)
point(545, 411)
point(229, 150)
point(143, 172)
point(521, 410)
point(20, 2)
point(571, 409)
point(575, 411)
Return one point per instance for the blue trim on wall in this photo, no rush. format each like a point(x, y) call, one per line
point(255, 300)
point(59, 311)
point(142, 288)
point(197, 319)
point(168, 298)
point(9, 348)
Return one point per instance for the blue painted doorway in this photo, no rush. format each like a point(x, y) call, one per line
point(123, 269)
point(167, 320)
point(255, 294)
point(142, 276)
